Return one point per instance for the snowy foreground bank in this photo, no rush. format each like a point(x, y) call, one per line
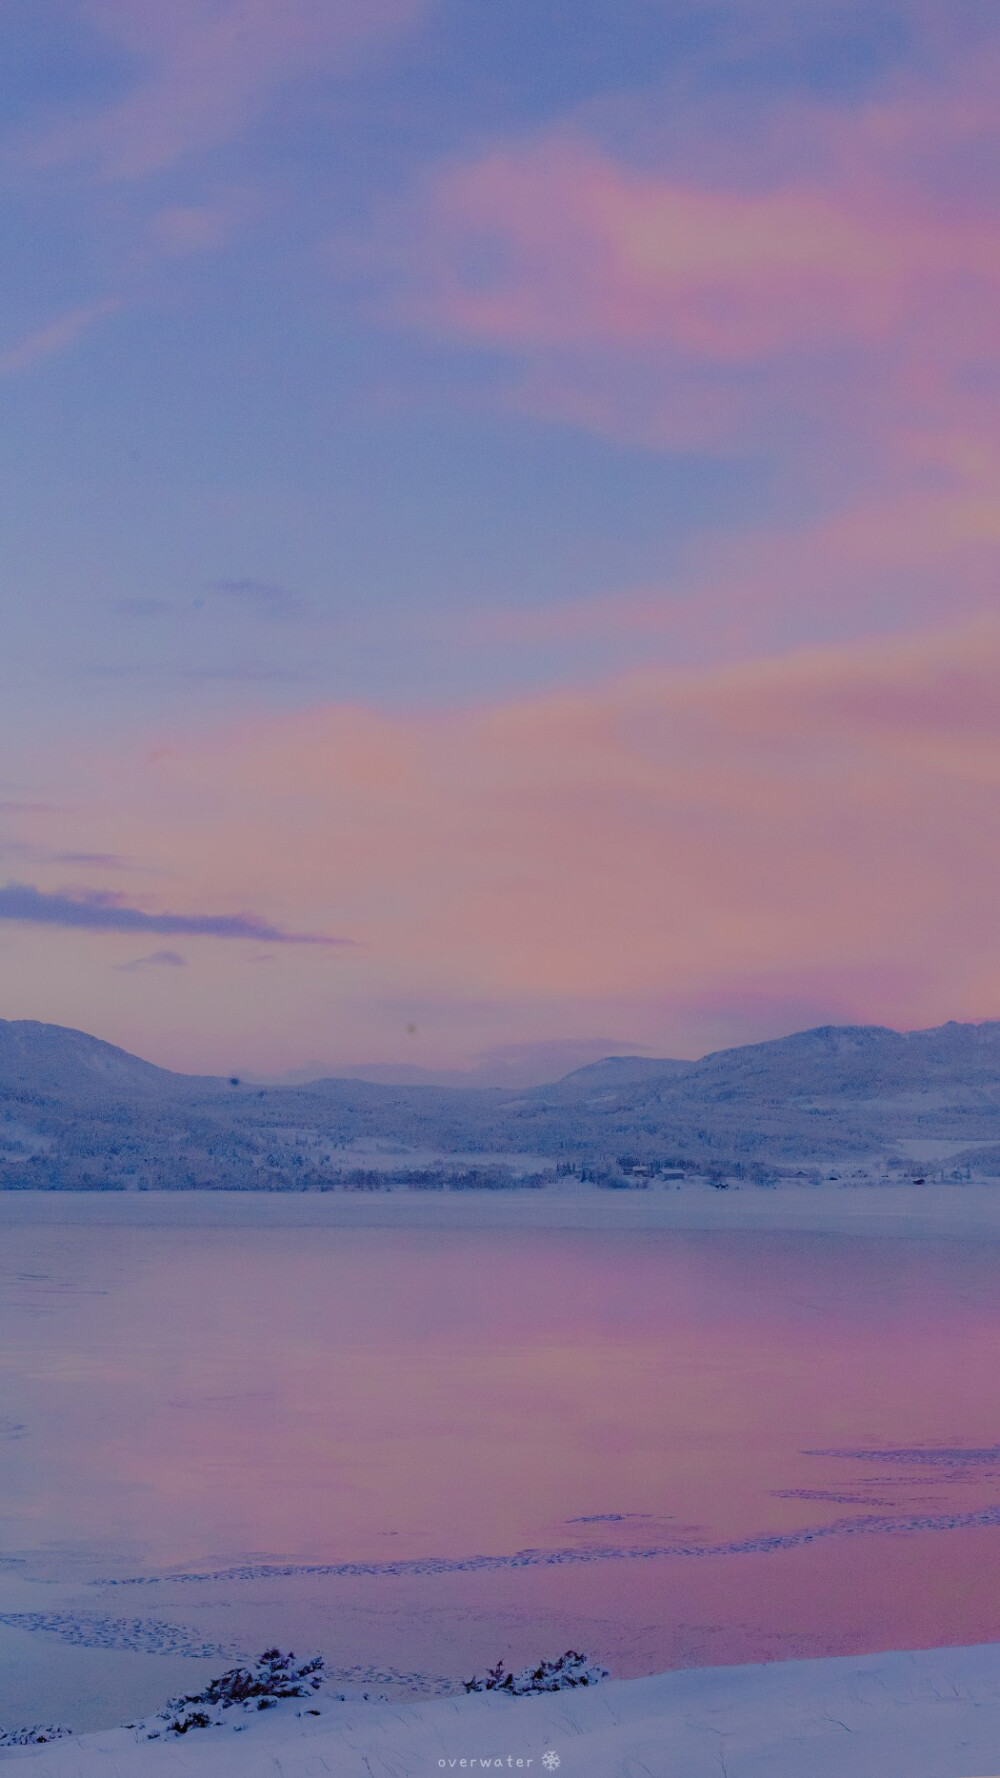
point(931, 1714)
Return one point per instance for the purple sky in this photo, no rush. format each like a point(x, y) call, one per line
point(510, 487)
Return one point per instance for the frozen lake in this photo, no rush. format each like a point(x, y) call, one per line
point(419, 1449)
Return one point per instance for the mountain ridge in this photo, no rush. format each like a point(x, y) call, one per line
point(76, 1111)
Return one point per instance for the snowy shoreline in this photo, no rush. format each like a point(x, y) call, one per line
point(964, 1211)
point(934, 1713)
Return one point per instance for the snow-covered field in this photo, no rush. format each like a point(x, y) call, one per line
point(932, 1714)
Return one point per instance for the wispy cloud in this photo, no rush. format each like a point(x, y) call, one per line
point(827, 280)
point(204, 68)
point(818, 295)
point(155, 960)
point(236, 673)
point(263, 598)
point(590, 251)
point(821, 816)
point(686, 856)
point(55, 336)
point(99, 911)
point(586, 268)
point(103, 860)
point(180, 229)
point(37, 854)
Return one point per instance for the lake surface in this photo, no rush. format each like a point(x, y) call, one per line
point(418, 1450)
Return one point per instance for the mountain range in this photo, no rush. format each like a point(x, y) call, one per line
point(862, 1101)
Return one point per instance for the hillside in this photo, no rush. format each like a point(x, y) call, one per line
point(49, 1058)
point(76, 1112)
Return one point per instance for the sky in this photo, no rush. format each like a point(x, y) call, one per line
point(499, 524)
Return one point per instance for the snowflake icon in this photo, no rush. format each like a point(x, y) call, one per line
point(550, 1761)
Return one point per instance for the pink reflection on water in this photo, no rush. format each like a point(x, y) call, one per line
point(197, 1400)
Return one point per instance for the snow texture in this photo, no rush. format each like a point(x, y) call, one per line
point(36, 1736)
point(932, 1714)
point(274, 1677)
point(151, 1636)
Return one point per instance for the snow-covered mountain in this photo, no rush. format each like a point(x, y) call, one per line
point(75, 1111)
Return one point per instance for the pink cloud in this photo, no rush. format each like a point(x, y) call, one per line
point(555, 243)
point(823, 293)
point(179, 229)
point(55, 336)
point(834, 273)
point(902, 556)
point(205, 67)
point(656, 849)
point(591, 252)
